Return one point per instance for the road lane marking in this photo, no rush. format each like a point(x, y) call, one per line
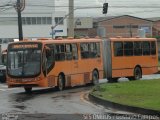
point(5, 86)
point(7, 89)
point(2, 90)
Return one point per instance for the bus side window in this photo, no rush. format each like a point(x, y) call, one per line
point(60, 52)
point(94, 50)
point(137, 48)
point(68, 52)
point(128, 48)
point(74, 52)
point(146, 48)
point(118, 48)
point(98, 50)
point(153, 48)
point(84, 50)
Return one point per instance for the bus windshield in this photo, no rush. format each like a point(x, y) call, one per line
point(24, 62)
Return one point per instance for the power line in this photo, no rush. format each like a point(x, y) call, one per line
point(10, 5)
point(118, 6)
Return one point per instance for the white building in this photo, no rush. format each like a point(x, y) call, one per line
point(35, 25)
point(37, 21)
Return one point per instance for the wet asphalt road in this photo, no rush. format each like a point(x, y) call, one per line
point(70, 101)
point(46, 103)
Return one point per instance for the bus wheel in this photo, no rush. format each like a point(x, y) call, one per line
point(112, 80)
point(95, 77)
point(61, 82)
point(137, 73)
point(28, 89)
point(131, 78)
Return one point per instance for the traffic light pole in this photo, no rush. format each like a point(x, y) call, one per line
point(19, 21)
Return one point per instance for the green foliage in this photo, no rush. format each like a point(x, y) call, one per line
point(157, 37)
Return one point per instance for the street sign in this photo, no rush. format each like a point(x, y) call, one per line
point(58, 31)
point(55, 31)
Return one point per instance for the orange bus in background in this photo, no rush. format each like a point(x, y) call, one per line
point(54, 63)
point(4, 57)
point(130, 57)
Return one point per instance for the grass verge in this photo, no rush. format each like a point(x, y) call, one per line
point(143, 93)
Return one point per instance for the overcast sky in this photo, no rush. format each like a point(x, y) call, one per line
point(139, 8)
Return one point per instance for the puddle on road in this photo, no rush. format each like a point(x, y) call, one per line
point(20, 98)
point(21, 107)
point(18, 101)
point(63, 96)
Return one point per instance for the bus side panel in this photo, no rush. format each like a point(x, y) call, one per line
point(124, 66)
point(150, 65)
point(86, 67)
point(147, 71)
point(122, 73)
point(78, 77)
point(68, 69)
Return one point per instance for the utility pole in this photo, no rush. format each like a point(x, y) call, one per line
point(71, 19)
point(19, 8)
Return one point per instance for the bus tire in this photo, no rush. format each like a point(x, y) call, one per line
point(131, 78)
point(137, 73)
point(61, 82)
point(28, 89)
point(95, 77)
point(112, 80)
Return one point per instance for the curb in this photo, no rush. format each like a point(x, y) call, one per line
point(118, 106)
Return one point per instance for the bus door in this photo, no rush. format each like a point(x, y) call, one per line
point(48, 64)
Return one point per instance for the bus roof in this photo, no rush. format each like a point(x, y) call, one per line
point(71, 40)
point(131, 39)
point(49, 41)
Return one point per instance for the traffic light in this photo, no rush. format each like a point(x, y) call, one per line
point(105, 8)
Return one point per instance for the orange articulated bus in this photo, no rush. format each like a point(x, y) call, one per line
point(130, 57)
point(72, 62)
point(54, 63)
